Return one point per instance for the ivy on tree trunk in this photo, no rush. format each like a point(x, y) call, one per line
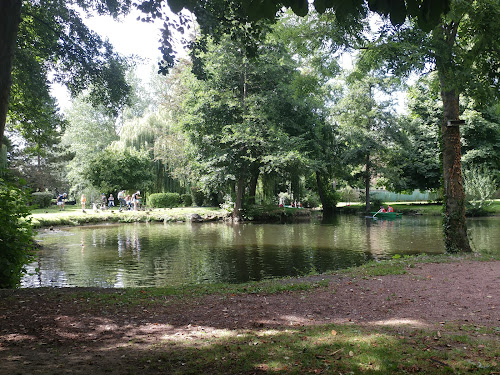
point(455, 230)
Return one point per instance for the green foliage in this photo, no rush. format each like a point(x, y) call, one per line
point(54, 35)
point(348, 194)
point(367, 125)
point(375, 202)
point(115, 169)
point(16, 234)
point(480, 186)
point(228, 203)
point(480, 137)
point(187, 200)
point(41, 199)
point(164, 200)
point(245, 117)
point(198, 196)
point(90, 130)
point(414, 160)
point(310, 200)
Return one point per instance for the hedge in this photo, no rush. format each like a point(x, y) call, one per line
point(198, 196)
point(187, 200)
point(164, 200)
point(41, 199)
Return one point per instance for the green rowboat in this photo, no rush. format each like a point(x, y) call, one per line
point(387, 215)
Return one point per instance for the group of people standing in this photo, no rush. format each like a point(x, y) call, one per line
point(126, 201)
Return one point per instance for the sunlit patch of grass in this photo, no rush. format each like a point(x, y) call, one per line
point(325, 349)
point(73, 215)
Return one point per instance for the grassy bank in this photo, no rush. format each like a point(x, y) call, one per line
point(72, 215)
point(416, 208)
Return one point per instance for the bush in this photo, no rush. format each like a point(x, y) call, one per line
point(480, 187)
point(187, 200)
point(41, 199)
point(348, 194)
point(198, 196)
point(311, 200)
point(164, 200)
point(16, 234)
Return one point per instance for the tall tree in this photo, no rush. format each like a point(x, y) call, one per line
point(464, 49)
point(244, 118)
point(414, 161)
point(90, 130)
point(367, 125)
point(51, 35)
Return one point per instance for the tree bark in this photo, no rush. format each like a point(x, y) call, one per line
point(238, 205)
point(253, 185)
point(455, 229)
point(327, 208)
point(367, 183)
point(10, 17)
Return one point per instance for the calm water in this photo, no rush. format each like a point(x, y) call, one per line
point(142, 255)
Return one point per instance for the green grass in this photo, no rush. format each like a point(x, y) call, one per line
point(73, 215)
point(154, 296)
point(329, 349)
point(418, 208)
point(400, 265)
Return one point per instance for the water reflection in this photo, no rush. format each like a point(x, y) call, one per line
point(173, 254)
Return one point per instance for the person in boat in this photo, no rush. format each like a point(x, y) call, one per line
point(390, 209)
point(382, 209)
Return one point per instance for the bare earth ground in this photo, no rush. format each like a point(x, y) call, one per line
point(38, 335)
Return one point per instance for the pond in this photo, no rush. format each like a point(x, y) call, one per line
point(141, 255)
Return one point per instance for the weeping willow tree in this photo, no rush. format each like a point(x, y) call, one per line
point(152, 133)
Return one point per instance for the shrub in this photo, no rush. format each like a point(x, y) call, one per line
point(198, 196)
point(348, 194)
point(479, 187)
point(16, 234)
point(187, 200)
point(311, 200)
point(163, 200)
point(228, 204)
point(41, 199)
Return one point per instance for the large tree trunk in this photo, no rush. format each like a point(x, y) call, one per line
point(253, 185)
point(327, 207)
point(238, 205)
point(455, 230)
point(367, 183)
point(10, 17)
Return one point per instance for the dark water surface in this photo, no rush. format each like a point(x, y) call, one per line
point(141, 255)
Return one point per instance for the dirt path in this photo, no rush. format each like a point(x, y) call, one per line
point(49, 332)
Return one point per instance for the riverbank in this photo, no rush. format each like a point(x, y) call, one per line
point(400, 316)
point(415, 208)
point(73, 215)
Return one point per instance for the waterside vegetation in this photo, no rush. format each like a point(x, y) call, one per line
point(74, 216)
